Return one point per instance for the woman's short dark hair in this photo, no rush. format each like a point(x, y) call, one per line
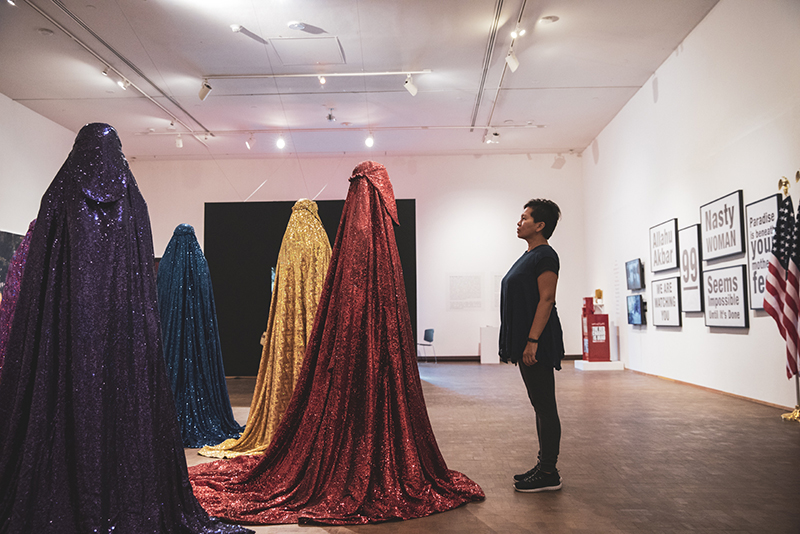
point(545, 211)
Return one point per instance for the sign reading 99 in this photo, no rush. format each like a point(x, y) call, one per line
point(691, 275)
point(689, 265)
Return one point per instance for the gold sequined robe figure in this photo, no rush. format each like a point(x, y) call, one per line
point(300, 274)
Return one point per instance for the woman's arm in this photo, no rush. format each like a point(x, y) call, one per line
point(547, 298)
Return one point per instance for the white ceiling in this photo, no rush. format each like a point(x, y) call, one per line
point(574, 74)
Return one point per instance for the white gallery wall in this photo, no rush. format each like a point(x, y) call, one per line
point(721, 114)
point(467, 208)
point(32, 150)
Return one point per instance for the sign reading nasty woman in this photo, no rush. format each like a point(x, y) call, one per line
point(721, 226)
point(762, 216)
point(726, 298)
point(664, 246)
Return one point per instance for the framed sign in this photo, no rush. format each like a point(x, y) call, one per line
point(762, 217)
point(691, 260)
point(666, 303)
point(664, 246)
point(726, 297)
point(722, 226)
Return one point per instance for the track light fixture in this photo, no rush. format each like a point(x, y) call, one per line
point(280, 143)
point(518, 32)
point(236, 28)
point(179, 141)
point(12, 2)
point(205, 88)
point(124, 84)
point(369, 141)
point(322, 80)
point(409, 85)
point(105, 71)
point(330, 116)
point(558, 162)
point(493, 138)
point(512, 61)
point(250, 143)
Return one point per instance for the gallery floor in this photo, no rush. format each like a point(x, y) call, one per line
point(638, 454)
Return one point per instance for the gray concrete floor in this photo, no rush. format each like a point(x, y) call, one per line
point(638, 454)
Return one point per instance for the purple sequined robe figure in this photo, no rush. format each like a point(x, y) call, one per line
point(89, 439)
point(11, 291)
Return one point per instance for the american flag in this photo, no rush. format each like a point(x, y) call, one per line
point(782, 300)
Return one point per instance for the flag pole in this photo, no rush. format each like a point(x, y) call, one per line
point(784, 184)
point(795, 415)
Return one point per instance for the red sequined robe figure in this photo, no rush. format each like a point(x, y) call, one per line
point(355, 445)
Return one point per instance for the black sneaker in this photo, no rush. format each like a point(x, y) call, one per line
point(526, 474)
point(539, 481)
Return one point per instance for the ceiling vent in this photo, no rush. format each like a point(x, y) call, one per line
point(308, 50)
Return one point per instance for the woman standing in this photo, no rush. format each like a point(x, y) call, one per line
point(530, 334)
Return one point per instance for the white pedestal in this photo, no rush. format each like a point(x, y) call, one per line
point(584, 365)
point(490, 344)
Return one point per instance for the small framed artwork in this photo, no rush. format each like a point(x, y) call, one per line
point(691, 261)
point(666, 302)
point(722, 227)
point(726, 297)
point(664, 246)
point(762, 217)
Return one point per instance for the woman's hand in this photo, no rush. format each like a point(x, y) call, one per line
point(529, 354)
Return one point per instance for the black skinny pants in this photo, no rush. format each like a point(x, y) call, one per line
point(541, 385)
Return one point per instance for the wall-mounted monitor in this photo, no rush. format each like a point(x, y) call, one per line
point(636, 310)
point(634, 274)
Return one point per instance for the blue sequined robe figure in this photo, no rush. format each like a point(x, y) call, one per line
point(191, 343)
point(89, 440)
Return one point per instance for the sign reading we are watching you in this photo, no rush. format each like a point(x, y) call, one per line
point(721, 226)
point(666, 303)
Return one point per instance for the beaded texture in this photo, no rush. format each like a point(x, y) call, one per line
point(191, 343)
point(299, 276)
point(89, 440)
point(355, 445)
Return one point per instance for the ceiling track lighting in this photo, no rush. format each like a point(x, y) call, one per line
point(250, 143)
point(369, 141)
point(205, 88)
point(12, 2)
point(327, 75)
point(330, 116)
point(236, 28)
point(105, 71)
point(322, 80)
point(518, 32)
point(179, 141)
point(281, 142)
point(124, 84)
point(558, 162)
point(512, 61)
point(409, 85)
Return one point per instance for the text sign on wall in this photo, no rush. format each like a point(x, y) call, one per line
point(691, 277)
point(726, 298)
point(664, 246)
point(721, 226)
point(761, 216)
point(666, 303)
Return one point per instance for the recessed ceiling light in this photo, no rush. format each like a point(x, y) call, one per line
point(280, 143)
point(548, 19)
point(369, 141)
point(296, 25)
point(45, 32)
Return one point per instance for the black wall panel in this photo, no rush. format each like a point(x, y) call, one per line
point(242, 241)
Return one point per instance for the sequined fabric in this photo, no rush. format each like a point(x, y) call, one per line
point(299, 276)
point(355, 445)
point(191, 343)
point(89, 440)
point(11, 291)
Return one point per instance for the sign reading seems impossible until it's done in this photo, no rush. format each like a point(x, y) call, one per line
point(722, 227)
